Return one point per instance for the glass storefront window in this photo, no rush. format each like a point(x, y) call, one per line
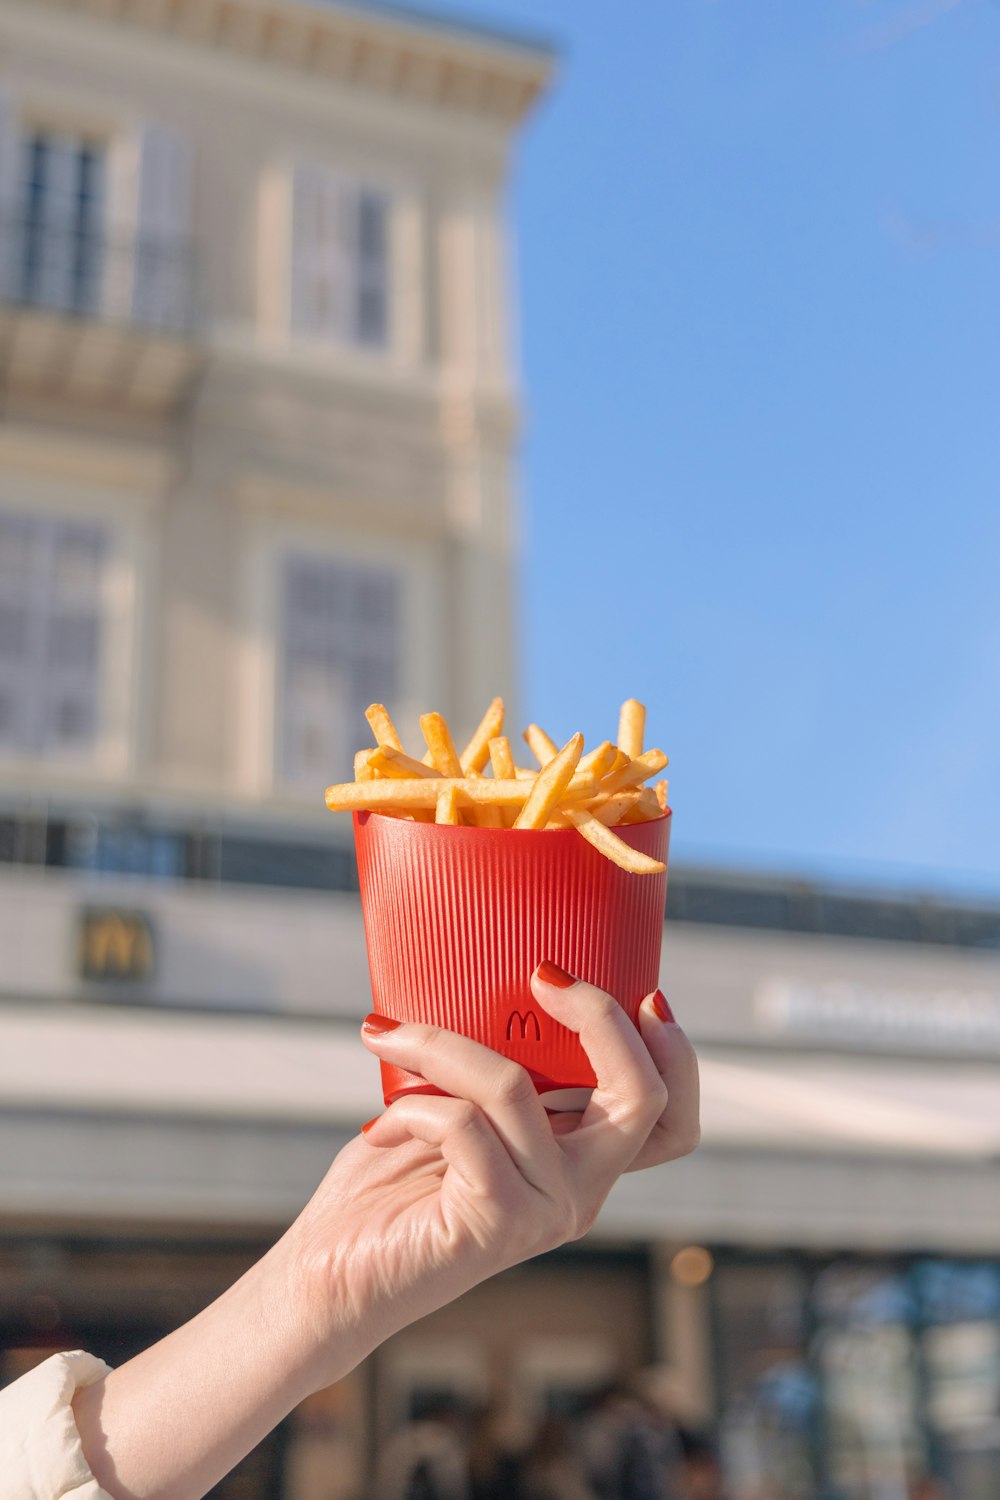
point(859, 1379)
point(865, 1352)
point(960, 1308)
point(769, 1395)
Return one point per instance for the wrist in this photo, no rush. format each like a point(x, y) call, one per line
point(318, 1332)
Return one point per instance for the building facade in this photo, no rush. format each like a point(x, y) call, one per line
point(258, 398)
point(258, 414)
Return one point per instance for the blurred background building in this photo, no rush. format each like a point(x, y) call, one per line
point(258, 416)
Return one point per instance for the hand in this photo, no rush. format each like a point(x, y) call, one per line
point(441, 1192)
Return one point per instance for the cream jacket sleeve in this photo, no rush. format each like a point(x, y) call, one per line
point(40, 1453)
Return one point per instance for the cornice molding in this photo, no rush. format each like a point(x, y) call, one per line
point(422, 64)
point(38, 453)
point(279, 496)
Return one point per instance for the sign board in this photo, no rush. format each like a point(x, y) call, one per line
point(841, 1012)
point(115, 945)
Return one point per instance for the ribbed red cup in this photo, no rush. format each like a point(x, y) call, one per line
point(458, 919)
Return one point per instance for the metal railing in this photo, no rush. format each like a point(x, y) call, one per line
point(142, 281)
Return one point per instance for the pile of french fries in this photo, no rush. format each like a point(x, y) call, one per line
point(591, 793)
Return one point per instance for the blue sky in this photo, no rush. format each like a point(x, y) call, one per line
point(759, 255)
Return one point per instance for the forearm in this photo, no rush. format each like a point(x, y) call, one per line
point(169, 1424)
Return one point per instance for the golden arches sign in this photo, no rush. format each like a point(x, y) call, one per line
point(522, 1023)
point(115, 945)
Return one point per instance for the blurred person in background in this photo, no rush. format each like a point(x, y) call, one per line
point(622, 1447)
point(494, 1464)
point(702, 1472)
point(426, 1459)
point(552, 1468)
point(929, 1488)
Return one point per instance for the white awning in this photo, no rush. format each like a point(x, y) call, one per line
point(132, 1113)
point(269, 1068)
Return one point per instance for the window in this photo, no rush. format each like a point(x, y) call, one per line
point(52, 574)
point(340, 260)
point(61, 221)
point(340, 643)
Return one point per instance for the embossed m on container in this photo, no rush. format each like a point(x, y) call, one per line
point(457, 920)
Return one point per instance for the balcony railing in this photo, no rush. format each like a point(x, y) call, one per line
point(144, 282)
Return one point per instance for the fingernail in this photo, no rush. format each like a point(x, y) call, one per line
point(377, 1025)
point(661, 1009)
point(369, 1123)
point(551, 973)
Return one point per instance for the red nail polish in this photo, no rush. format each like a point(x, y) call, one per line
point(661, 1008)
point(551, 973)
point(377, 1025)
point(369, 1123)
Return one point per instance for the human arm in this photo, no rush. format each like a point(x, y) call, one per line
point(440, 1194)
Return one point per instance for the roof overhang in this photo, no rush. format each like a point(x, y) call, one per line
point(424, 59)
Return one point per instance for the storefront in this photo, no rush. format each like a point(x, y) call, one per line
point(818, 1286)
point(847, 1375)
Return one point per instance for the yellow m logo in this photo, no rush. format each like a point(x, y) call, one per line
point(115, 945)
point(522, 1024)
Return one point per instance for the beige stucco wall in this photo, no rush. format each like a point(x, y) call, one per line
point(404, 455)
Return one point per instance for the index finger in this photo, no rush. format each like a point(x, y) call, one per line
point(630, 1094)
point(466, 1069)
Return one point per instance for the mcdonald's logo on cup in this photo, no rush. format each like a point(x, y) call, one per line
point(116, 945)
point(522, 1024)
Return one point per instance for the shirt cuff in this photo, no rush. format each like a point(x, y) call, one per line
point(41, 1457)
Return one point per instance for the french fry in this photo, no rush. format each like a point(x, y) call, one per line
point(477, 751)
point(382, 726)
point(591, 793)
point(446, 807)
point(440, 745)
point(502, 763)
point(620, 761)
point(611, 809)
point(640, 769)
point(399, 765)
point(541, 746)
point(632, 727)
point(423, 791)
point(485, 815)
point(600, 761)
point(609, 844)
point(550, 785)
point(644, 809)
point(488, 815)
point(501, 759)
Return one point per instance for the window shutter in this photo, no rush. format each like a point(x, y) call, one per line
point(162, 285)
point(319, 253)
point(20, 654)
point(10, 159)
point(407, 276)
point(118, 282)
point(371, 260)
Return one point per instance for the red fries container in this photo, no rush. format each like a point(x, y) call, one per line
point(458, 919)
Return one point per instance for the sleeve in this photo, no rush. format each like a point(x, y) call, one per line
point(41, 1457)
